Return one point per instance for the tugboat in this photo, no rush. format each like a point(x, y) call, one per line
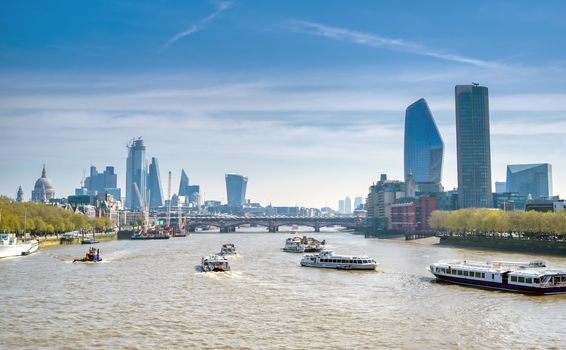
point(341, 262)
point(524, 277)
point(92, 256)
point(228, 249)
point(294, 245)
point(214, 263)
point(9, 246)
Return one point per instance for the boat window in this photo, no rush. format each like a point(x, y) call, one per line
point(334, 260)
point(460, 272)
point(537, 280)
point(478, 274)
point(521, 279)
point(513, 278)
point(492, 276)
point(365, 261)
point(528, 280)
point(483, 275)
point(344, 261)
point(465, 273)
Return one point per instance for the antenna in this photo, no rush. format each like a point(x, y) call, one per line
point(169, 199)
point(475, 84)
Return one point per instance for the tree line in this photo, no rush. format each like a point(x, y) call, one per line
point(498, 221)
point(40, 219)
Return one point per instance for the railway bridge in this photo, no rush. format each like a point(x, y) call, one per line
point(272, 223)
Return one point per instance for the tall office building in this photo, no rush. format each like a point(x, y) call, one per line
point(473, 146)
point(347, 205)
point(136, 172)
point(530, 179)
point(236, 189)
point(358, 203)
point(154, 185)
point(500, 187)
point(424, 149)
point(103, 182)
point(341, 207)
point(184, 184)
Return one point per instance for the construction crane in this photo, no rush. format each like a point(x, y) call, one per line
point(169, 200)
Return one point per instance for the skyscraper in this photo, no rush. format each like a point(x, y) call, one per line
point(341, 207)
point(424, 148)
point(154, 185)
point(358, 201)
point(236, 189)
point(473, 146)
point(530, 179)
point(104, 182)
point(184, 184)
point(136, 172)
point(347, 205)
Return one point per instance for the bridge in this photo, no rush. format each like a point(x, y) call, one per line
point(229, 223)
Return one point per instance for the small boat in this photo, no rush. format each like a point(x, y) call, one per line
point(326, 259)
point(214, 263)
point(294, 245)
point(137, 236)
point(90, 241)
point(524, 277)
point(92, 256)
point(228, 249)
point(9, 246)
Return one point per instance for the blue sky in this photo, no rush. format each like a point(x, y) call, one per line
point(306, 98)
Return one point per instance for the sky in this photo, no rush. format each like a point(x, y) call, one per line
point(306, 98)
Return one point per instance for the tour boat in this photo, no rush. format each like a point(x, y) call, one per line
point(525, 277)
point(294, 245)
point(228, 249)
point(151, 235)
point(9, 246)
point(89, 241)
point(326, 259)
point(214, 263)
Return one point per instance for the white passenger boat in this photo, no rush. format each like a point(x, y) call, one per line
point(294, 245)
point(228, 249)
point(525, 277)
point(214, 263)
point(342, 262)
point(9, 246)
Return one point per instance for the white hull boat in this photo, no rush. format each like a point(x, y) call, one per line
point(9, 246)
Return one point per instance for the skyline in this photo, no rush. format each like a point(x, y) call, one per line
point(312, 101)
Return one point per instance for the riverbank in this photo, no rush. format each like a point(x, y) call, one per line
point(547, 247)
point(50, 242)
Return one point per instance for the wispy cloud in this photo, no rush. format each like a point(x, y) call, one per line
point(200, 24)
point(374, 40)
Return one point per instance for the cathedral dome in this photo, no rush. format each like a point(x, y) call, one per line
point(43, 189)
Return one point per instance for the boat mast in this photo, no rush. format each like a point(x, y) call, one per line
point(169, 200)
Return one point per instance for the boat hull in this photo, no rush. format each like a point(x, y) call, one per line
point(25, 248)
point(340, 266)
point(146, 238)
point(501, 286)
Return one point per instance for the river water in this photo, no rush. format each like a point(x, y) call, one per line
point(150, 294)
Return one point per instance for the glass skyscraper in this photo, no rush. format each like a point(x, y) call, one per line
point(136, 172)
point(530, 179)
point(154, 185)
point(184, 184)
point(236, 189)
point(424, 149)
point(473, 146)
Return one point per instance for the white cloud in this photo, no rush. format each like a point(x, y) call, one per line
point(200, 24)
point(377, 41)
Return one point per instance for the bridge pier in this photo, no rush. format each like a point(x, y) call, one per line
point(316, 227)
point(192, 229)
point(273, 228)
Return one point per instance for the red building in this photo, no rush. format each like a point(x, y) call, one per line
point(426, 206)
point(404, 217)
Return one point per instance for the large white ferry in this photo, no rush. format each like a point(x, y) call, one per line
point(526, 277)
point(342, 262)
point(214, 263)
point(9, 246)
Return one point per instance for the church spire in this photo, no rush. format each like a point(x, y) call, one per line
point(43, 174)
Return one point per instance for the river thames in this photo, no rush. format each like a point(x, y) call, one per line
point(150, 294)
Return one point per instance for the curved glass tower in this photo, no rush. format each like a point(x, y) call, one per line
point(236, 189)
point(424, 149)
